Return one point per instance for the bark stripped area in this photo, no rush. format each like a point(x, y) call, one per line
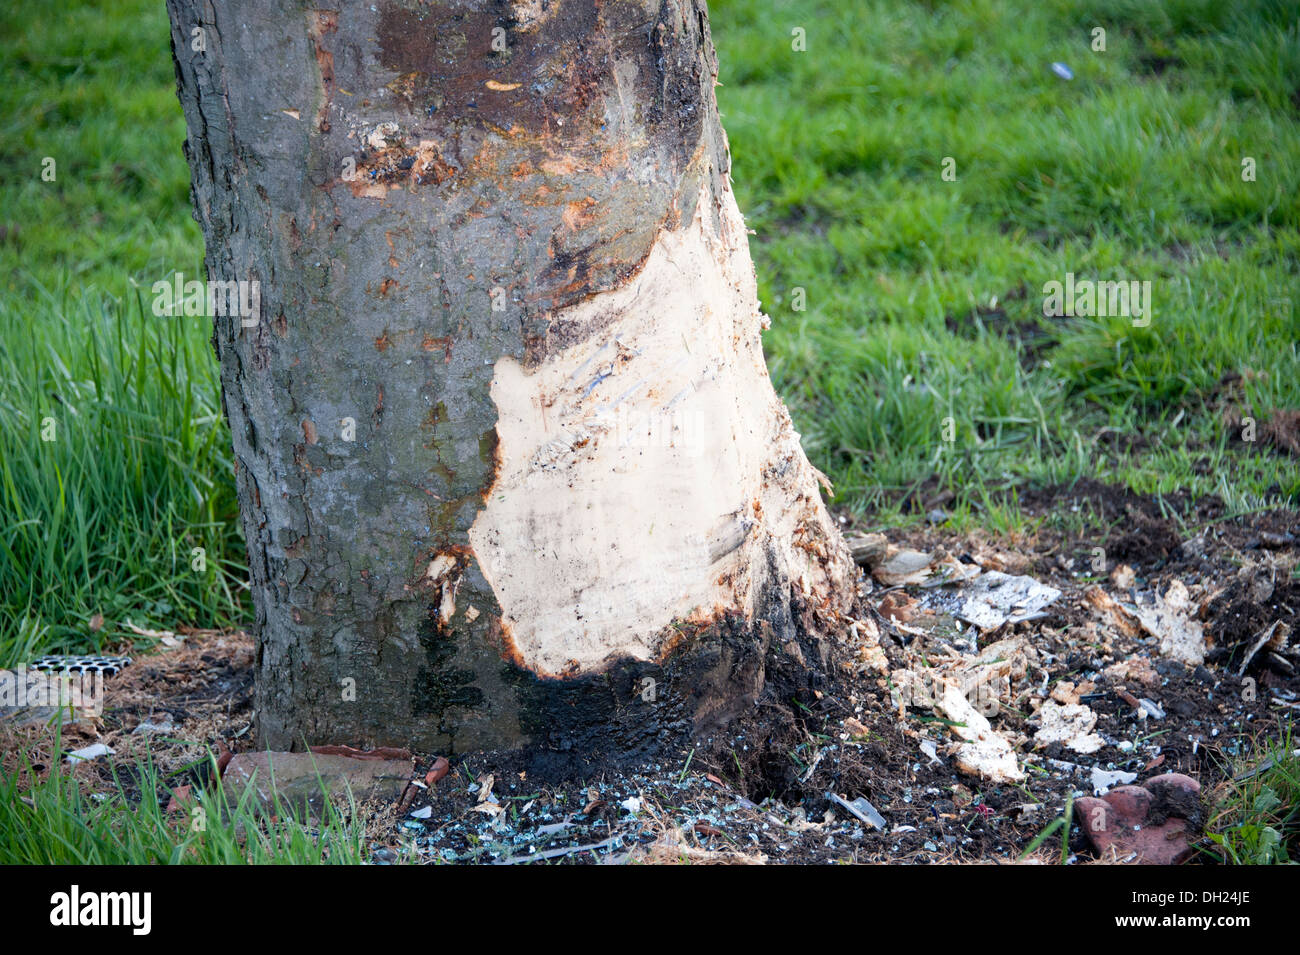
point(443, 231)
point(649, 472)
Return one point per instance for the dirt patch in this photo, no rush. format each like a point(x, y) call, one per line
point(1242, 613)
point(1131, 528)
point(1282, 430)
point(760, 789)
point(1026, 334)
point(174, 706)
point(1156, 64)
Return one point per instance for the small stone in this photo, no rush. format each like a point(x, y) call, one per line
point(903, 567)
point(441, 767)
point(181, 798)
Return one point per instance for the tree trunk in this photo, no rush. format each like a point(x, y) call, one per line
point(510, 466)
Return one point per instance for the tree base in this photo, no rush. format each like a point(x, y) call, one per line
point(637, 712)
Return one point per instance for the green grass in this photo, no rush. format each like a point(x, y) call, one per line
point(115, 462)
point(1119, 173)
point(59, 821)
point(924, 297)
point(1257, 817)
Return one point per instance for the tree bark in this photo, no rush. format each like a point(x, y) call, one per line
point(511, 470)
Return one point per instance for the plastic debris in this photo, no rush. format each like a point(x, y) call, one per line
point(1103, 780)
point(1263, 767)
point(1150, 708)
point(80, 663)
point(859, 808)
point(928, 748)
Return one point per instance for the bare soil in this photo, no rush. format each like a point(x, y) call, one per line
point(759, 792)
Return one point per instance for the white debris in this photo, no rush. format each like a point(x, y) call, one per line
point(148, 726)
point(995, 598)
point(93, 751)
point(990, 758)
point(984, 753)
point(1150, 708)
point(1168, 618)
point(927, 747)
point(1104, 779)
point(1071, 724)
point(377, 138)
point(860, 808)
point(967, 691)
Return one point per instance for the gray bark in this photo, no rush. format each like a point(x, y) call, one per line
point(531, 177)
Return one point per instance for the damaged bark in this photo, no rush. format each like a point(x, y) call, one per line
point(510, 467)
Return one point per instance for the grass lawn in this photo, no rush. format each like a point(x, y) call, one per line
point(924, 297)
point(54, 821)
point(915, 176)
